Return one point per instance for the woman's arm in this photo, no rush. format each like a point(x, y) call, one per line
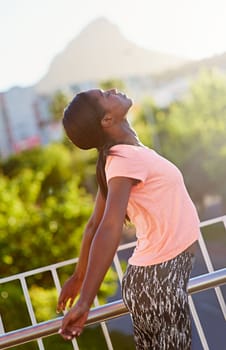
point(72, 286)
point(89, 233)
point(102, 251)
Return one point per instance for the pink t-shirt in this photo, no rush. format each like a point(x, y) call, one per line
point(159, 206)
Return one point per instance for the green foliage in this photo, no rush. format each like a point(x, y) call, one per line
point(92, 338)
point(12, 306)
point(44, 302)
point(145, 123)
point(84, 163)
point(42, 213)
point(192, 134)
point(112, 83)
point(58, 103)
point(44, 207)
point(108, 288)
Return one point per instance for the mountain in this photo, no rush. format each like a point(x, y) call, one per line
point(101, 52)
point(191, 69)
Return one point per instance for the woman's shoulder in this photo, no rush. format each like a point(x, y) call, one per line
point(126, 149)
point(133, 153)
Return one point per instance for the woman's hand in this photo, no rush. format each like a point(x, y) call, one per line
point(69, 292)
point(74, 321)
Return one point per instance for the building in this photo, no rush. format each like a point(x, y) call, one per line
point(25, 121)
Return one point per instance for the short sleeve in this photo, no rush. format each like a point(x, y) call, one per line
point(125, 160)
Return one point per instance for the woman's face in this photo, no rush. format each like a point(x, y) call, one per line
point(112, 101)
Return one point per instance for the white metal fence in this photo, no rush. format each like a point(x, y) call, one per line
point(53, 269)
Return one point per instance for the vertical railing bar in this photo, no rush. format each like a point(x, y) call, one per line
point(210, 268)
point(205, 254)
point(30, 308)
point(118, 268)
point(40, 344)
point(106, 335)
point(58, 288)
point(198, 324)
point(28, 300)
point(104, 328)
point(221, 301)
point(2, 329)
point(56, 279)
point(75, 344)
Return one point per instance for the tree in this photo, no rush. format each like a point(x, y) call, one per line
point(58, 102)
point(145, 122)
point(193, 134)
point(41, 228)
point(112, 83)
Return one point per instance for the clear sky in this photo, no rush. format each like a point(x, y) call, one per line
point(32, 32)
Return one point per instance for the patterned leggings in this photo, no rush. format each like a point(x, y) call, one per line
point(157, 299)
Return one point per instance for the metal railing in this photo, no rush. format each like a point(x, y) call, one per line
point(100, 314)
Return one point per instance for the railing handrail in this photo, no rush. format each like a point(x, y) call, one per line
point(102, 313)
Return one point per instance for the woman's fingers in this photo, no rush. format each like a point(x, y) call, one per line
point(73, 323)
point(69, 334)
point(71, 302)
point(68, 293)
point(62, 302)
point(61, 305)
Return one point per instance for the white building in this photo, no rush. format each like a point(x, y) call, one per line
point(25, 121)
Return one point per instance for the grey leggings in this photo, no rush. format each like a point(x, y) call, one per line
point(157, 299)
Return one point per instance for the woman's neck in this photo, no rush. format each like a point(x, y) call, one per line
point(125, 134)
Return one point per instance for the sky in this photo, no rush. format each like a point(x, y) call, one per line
point(33, 32)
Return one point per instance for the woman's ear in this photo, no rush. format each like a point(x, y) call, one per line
point(107, 121)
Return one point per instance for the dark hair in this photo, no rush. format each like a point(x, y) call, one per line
point(82, 123)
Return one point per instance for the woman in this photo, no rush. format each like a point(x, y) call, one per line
point(136, 183)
